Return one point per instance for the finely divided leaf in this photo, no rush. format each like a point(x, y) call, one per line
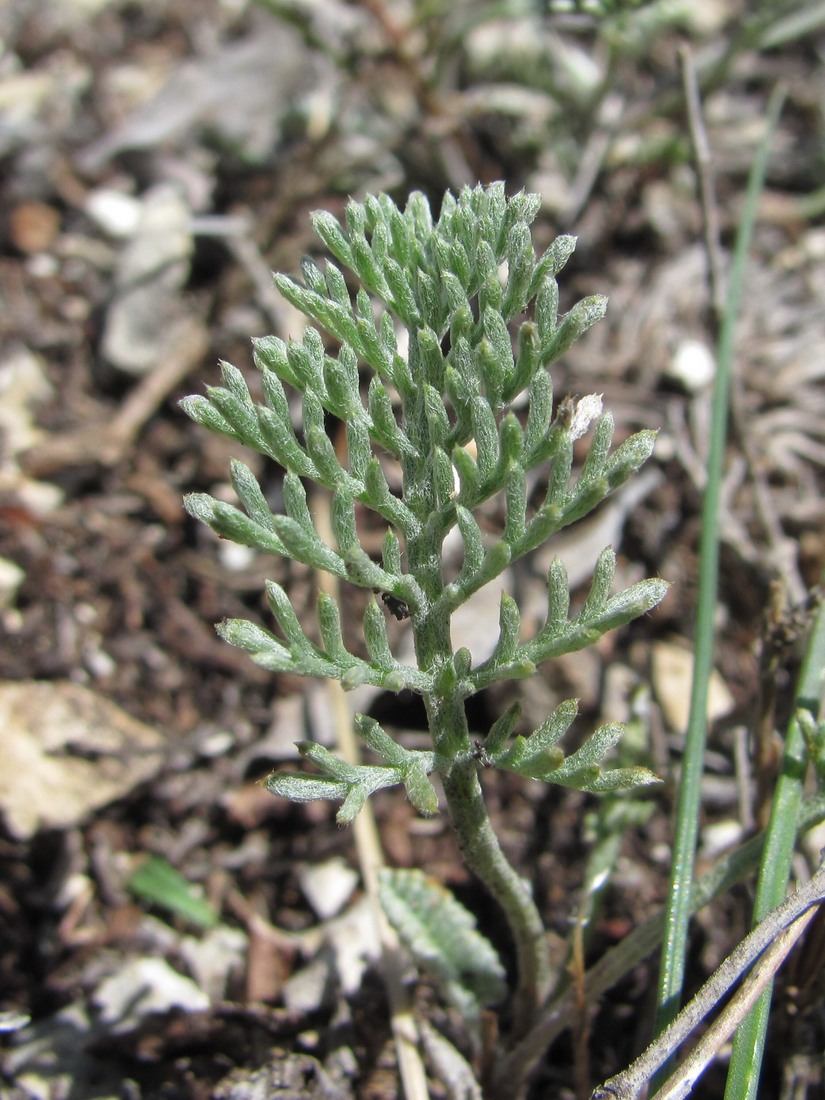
point(442, 937)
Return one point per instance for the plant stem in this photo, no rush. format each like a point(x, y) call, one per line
point(447, 721)
point(780, 837)
point(674, 949)
point(483, 855)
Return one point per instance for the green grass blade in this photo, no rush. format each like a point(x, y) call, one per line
point(749, 1045)
point(671, 976)
point(156, 881)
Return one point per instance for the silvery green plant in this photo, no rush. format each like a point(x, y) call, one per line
point(422, 366)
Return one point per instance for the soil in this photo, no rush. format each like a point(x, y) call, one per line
point(212, 130)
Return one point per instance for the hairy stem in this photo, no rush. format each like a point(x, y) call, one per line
point(483, 855)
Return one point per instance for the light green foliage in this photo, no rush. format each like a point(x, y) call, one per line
point(814, 734)
point(445, 331)
point(354, 783)
point(157, 882)
point(430, 325)
point(441, 936)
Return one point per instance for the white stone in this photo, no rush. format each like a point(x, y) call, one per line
point(11, 577)
point(693, 366)
point(328, 886)
point(114, 212)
